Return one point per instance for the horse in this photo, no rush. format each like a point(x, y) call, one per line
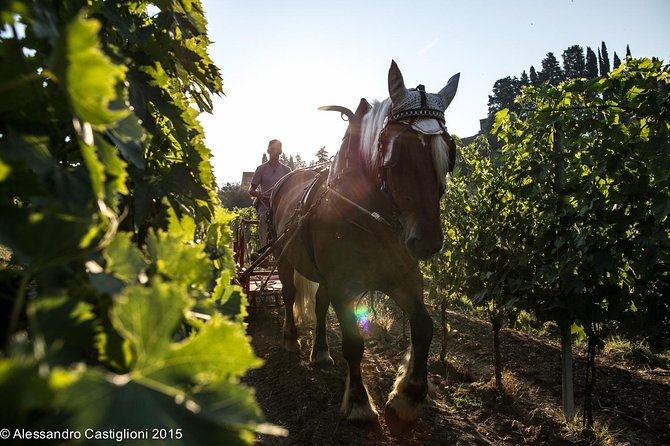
point(363, 225)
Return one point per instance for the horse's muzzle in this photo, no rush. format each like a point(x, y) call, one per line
point(424, 247)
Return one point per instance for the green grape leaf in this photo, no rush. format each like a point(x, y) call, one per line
point(5, 169)
point(95, 169)
point(230, 299)
point(130, 138)
point(219, 352)
point(148, 317)
point(123, 259)
point(104, 402)
point(176, 256)
point(66, 325)
point(24, 391)
point(91, 76)
point(115, 168)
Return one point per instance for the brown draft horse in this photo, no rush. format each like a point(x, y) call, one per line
point(363, 225)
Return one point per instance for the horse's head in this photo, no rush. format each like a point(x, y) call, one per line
point(414, 155)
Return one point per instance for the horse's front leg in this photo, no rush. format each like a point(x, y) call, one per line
point(411, 386)
point(289, 332)
point(320, 355)
point(356, 404)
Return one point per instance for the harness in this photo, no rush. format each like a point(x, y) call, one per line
point(410, 113)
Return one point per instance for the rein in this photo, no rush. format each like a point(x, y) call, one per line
point(376, 216)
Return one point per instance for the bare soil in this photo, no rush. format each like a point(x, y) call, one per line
point(631, 400)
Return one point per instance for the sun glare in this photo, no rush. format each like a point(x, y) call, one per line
point(292, 91)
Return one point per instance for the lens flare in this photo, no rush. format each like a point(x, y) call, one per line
point(362, 317)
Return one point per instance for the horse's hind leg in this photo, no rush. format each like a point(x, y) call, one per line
point(320, 355)
point(411, 386)
point(289, 332)
point(356, 404)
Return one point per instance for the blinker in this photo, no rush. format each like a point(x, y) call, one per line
point(428, 126)
point(390, 155)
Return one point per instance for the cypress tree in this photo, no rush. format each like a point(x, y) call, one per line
point(591, 64)
point(601, 67)
point(628, 52)
point(616, 61)
point(573, 62)
point(524, 81)
point(551, 70)
point(534, 81)
point(504, 92)
point(605, 67)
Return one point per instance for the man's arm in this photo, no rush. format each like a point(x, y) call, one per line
point(255, 181)
point(253, 190)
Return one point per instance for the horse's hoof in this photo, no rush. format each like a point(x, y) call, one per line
point(321, 359)
point(401, 412)
point(395, 424)
point(362, 413)
point(291, 346)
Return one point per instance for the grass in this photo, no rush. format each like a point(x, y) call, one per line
point(462, 396)
point(638, 351)
point(600, 434)
point(618, 347)
point(512, 386)
point(5, 257)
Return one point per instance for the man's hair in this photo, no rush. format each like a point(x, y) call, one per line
point(272, 141)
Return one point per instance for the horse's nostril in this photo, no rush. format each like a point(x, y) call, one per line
point(422, 248)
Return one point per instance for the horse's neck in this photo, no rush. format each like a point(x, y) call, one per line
point(358, 151)
point(371, 128)
point(347, 160)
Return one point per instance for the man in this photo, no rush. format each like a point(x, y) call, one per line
point(266, 176)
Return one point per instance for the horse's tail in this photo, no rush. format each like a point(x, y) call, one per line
point(305, 298)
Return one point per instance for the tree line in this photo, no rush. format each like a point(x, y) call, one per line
point(576, 64)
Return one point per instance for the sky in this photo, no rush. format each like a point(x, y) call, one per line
point(280, 60)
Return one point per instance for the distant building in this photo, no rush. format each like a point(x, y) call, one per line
point(246, 178)
point(484, 129)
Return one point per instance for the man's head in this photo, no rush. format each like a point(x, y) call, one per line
point(274, 149)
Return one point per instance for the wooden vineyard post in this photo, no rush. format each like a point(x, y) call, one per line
point(496, 325)
point(567, 383)
point(443, 324)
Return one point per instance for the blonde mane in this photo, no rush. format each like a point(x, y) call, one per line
point(371, 127)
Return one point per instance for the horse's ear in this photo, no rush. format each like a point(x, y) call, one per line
point(397, 90)
point(363, 108)
point(449, 91)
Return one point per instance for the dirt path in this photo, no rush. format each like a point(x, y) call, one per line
point(633, 402)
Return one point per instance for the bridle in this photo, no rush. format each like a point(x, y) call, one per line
point(388, 158)
point(387, 155)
